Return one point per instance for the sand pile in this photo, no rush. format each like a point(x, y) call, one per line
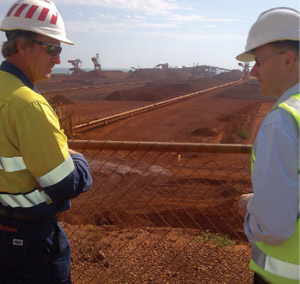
point(233, 75)
point(59, 99)
point(164, 89)
point(60, 83)
point(150, 93)
point(202, 83)
point(159, 74)
point(247, 91)
point(115, 74)
point(205, 132)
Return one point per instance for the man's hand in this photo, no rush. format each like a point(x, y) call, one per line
point(73, 152)
point(242, 206)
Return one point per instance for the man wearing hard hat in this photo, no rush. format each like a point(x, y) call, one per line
point(38, 173)
point(271, 212)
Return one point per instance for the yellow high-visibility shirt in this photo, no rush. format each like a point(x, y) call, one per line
point(33, 148)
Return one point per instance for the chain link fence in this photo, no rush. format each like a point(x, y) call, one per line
point(160, 213)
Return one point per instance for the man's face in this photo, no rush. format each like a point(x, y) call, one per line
point(38, 60)
point(268, 70)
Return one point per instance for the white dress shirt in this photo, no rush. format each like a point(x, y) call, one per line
point(274, 207)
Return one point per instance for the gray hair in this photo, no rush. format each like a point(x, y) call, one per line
point(10, 46)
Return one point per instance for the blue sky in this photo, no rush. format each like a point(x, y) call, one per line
point(144, 33)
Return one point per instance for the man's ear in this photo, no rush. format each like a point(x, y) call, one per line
point(21, 46)
point(290, 60)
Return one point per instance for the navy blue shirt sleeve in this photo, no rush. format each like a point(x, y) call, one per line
point(78, 181)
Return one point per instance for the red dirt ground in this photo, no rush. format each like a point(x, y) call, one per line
point(222, 114)
point(215, 117)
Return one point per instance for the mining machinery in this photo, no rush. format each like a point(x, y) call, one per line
point(76, 66)
point(97, 66)
point(96, 62)
point(162, 65)
point(246, 70)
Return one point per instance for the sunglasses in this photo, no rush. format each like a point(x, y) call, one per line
point(51, 48)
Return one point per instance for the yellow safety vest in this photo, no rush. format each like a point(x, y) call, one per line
point(279, 264)
point(33, 148)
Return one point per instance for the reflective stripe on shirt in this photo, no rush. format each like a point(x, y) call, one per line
point(30, 199)
point(12, 164)
point(292, 106)
point(275, 266)
point(57, 174)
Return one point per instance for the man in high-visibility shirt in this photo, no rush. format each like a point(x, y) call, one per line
point(38, 173)
point(271, 212)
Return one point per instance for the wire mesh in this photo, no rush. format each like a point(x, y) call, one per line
point(160, 213)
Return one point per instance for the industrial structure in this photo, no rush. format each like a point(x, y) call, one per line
point(76, 66)
point(96, 62)
point(97, 66)
point(77, 63)
point(246, 70)
point(204, 70)
point(162, 65)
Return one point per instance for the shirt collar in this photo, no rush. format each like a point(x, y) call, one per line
point(288, 93)
point(11, 68)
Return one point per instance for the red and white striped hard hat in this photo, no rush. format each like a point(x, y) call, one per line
point(39, 16)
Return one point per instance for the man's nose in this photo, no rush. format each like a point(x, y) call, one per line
point(56, 59)
point(253, 71)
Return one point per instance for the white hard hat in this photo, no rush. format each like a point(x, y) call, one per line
point(39, 16)
point(272, 25)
